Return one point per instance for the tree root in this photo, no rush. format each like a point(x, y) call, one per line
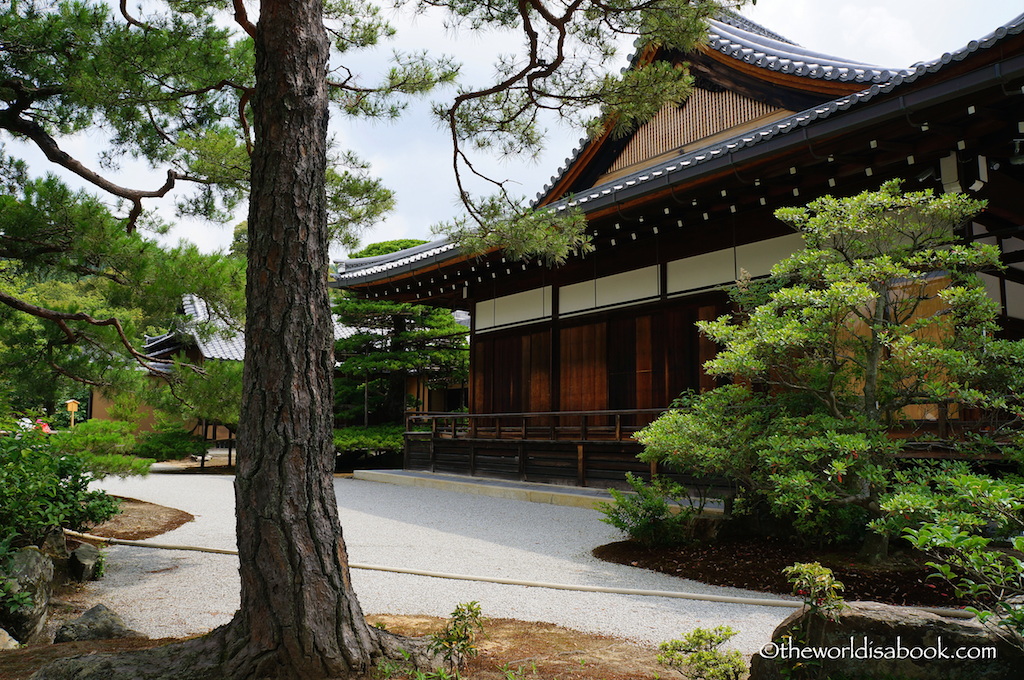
point(223, 654)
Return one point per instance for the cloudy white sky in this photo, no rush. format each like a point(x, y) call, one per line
point(412, 155)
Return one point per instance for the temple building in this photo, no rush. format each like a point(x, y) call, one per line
point(567, 362)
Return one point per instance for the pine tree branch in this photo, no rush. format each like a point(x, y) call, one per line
point(14, 124)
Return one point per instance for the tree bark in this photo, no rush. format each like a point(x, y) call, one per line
point(297, 605)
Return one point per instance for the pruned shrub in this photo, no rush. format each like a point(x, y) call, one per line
point(43, 489)
point(652, 515)
point(170, 444)
point(377, 438)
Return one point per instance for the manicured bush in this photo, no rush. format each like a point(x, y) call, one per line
point(697, 655)
point(378, 438)
point(43, 489)
point(98, 437)
point(170, 444)
point(648, 515)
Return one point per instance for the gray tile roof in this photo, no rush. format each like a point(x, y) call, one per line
point(370, 266)
point(214, 336)
point(783, 56)
point(442, 249)
point(791, 123)
point(224, 342)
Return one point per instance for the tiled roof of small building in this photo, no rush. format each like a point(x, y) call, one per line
point(220, 339)
point(224, 342)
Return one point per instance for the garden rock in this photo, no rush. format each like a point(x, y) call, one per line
point(32, 573)
point(83, 561)
point(909, 643)
point(55, 545)
point(6, 641)
point(98, 623)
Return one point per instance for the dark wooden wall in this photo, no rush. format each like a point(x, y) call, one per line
point(623, 359)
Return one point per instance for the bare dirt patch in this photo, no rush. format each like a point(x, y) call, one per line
point(535, 651)
point(757, 564)
point(139, 520)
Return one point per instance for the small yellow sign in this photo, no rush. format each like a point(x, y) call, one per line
point(72, 405)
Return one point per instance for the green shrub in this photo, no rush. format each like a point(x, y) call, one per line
point(457, 641)
point(820, 590)
point(170, 444)
point(98, 437)
point(697, 655)
point(102, 447)
point(43, 489)
point(971, 525)
point(648, 516)
point(380, 438)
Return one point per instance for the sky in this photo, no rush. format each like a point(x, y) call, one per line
point(412, 155)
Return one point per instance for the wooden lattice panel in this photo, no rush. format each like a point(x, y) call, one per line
point(704, 114)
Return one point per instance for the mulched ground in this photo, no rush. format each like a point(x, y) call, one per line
point(757, 564)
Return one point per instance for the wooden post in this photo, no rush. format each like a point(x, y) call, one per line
point(521, 460)
point(72, 409)
point(581, 466)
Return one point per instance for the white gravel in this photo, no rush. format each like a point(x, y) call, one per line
point(183, 593)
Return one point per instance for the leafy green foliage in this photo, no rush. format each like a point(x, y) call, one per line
point(389, 341)
point(822, 597)
point(43, 489)
point(390, 438)
point(98, 437)
point(850, 327)
point(882, 310)
point(169, 444)
point(656, 514)
point(76, 291)
point(456, 642)
point(803, 466)
point(697, 655)
point(213, 393)
point(819, 589)
point(970, 524)
point(103, 447)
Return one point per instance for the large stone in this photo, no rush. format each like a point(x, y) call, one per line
point(98, 623)
point(31, 573)
point(6, 641)
point(83, 561)
point(872, 640)
point(55, 545)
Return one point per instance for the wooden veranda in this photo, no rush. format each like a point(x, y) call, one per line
point(576, 448)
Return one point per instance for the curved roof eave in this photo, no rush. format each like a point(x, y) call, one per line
point(351, 272)
point(802, 119)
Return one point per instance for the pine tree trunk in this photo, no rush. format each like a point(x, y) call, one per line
point(297, 605)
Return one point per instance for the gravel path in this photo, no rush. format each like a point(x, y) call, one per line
point(182, 593)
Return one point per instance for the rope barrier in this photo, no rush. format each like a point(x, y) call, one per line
point(729, 599)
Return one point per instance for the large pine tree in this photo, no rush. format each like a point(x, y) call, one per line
point(180, 91)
